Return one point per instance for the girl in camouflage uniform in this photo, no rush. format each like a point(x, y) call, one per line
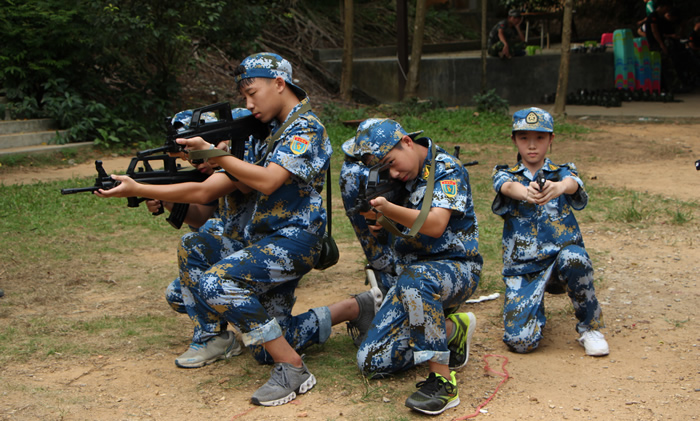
point(542, 245)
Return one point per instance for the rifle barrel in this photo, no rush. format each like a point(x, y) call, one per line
point(79, 190)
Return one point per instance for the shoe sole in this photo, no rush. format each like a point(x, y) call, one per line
point(374, 290)
point(449, 405)
point(307, 385)
point(470, 333)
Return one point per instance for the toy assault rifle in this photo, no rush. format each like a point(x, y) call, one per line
point(225, 127)
point(171, 173)
point(380, 183)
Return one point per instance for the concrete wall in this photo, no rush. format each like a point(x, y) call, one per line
point(455, 80)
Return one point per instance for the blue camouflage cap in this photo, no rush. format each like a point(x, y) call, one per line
point(269, 66)
point(375, 136)
point(533, 119)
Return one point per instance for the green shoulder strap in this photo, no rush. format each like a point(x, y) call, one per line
point(425, 208)
point(210, 153)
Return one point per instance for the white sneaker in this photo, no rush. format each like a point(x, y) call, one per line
point(594, 342)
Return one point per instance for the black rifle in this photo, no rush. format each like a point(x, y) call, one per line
point(466, 164)
point(225, 128)
point(379, 183)
point(172, 173)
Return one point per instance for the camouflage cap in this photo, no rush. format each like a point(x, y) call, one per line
point(533, 119)
point(269, 66)
point(375, 136)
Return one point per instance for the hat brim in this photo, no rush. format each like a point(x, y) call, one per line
point(300, 93)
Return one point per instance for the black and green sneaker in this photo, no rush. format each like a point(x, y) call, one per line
point(465, 325)
point(434, 395)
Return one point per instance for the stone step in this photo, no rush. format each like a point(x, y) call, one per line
point(22, 139)
point(36, 149)
point(25, 126)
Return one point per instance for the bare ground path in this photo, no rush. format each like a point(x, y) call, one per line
point(648, 288)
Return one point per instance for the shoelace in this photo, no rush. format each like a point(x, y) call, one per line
point(432, 384)
point(279, 376)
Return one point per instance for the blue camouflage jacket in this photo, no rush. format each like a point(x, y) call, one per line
point(533, 234)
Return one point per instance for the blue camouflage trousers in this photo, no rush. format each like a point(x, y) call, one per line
point(409, 327)
point(523, 312)
point(181, 299)
point(251, 287)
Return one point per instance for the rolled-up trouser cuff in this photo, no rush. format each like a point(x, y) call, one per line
point(440, 357)
point(267, 332)
point(323, 314)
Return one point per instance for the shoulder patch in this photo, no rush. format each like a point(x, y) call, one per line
point(426, 172)
point(449, 187)
point(299, 145)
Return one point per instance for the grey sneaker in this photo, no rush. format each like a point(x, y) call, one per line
point(369, 303)
point(284, 384)
point(219, 347)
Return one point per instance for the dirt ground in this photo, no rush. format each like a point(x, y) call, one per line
point(648, 289)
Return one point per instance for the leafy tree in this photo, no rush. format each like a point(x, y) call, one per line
point(109, 69)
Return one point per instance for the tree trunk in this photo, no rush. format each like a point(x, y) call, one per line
point(562, 84)
point(346, 72)
point(416, 50)
point(484, 44)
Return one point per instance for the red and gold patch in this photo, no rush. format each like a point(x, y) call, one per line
point(299, 145)
point(449, 187)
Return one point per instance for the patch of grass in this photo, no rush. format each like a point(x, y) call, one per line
point(58, 158)
point(676, 323)
point(680, 217)
point(635, 208)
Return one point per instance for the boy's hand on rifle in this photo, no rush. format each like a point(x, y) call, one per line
point(371, 218)
point(156, 205)
point(194, 143)
point(124, 188)
point(379, 203)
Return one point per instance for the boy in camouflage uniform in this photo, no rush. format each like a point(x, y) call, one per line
point(253, 288)
point(436, 269)
point(506, 39)
point(236, 208)
point(542, 245)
